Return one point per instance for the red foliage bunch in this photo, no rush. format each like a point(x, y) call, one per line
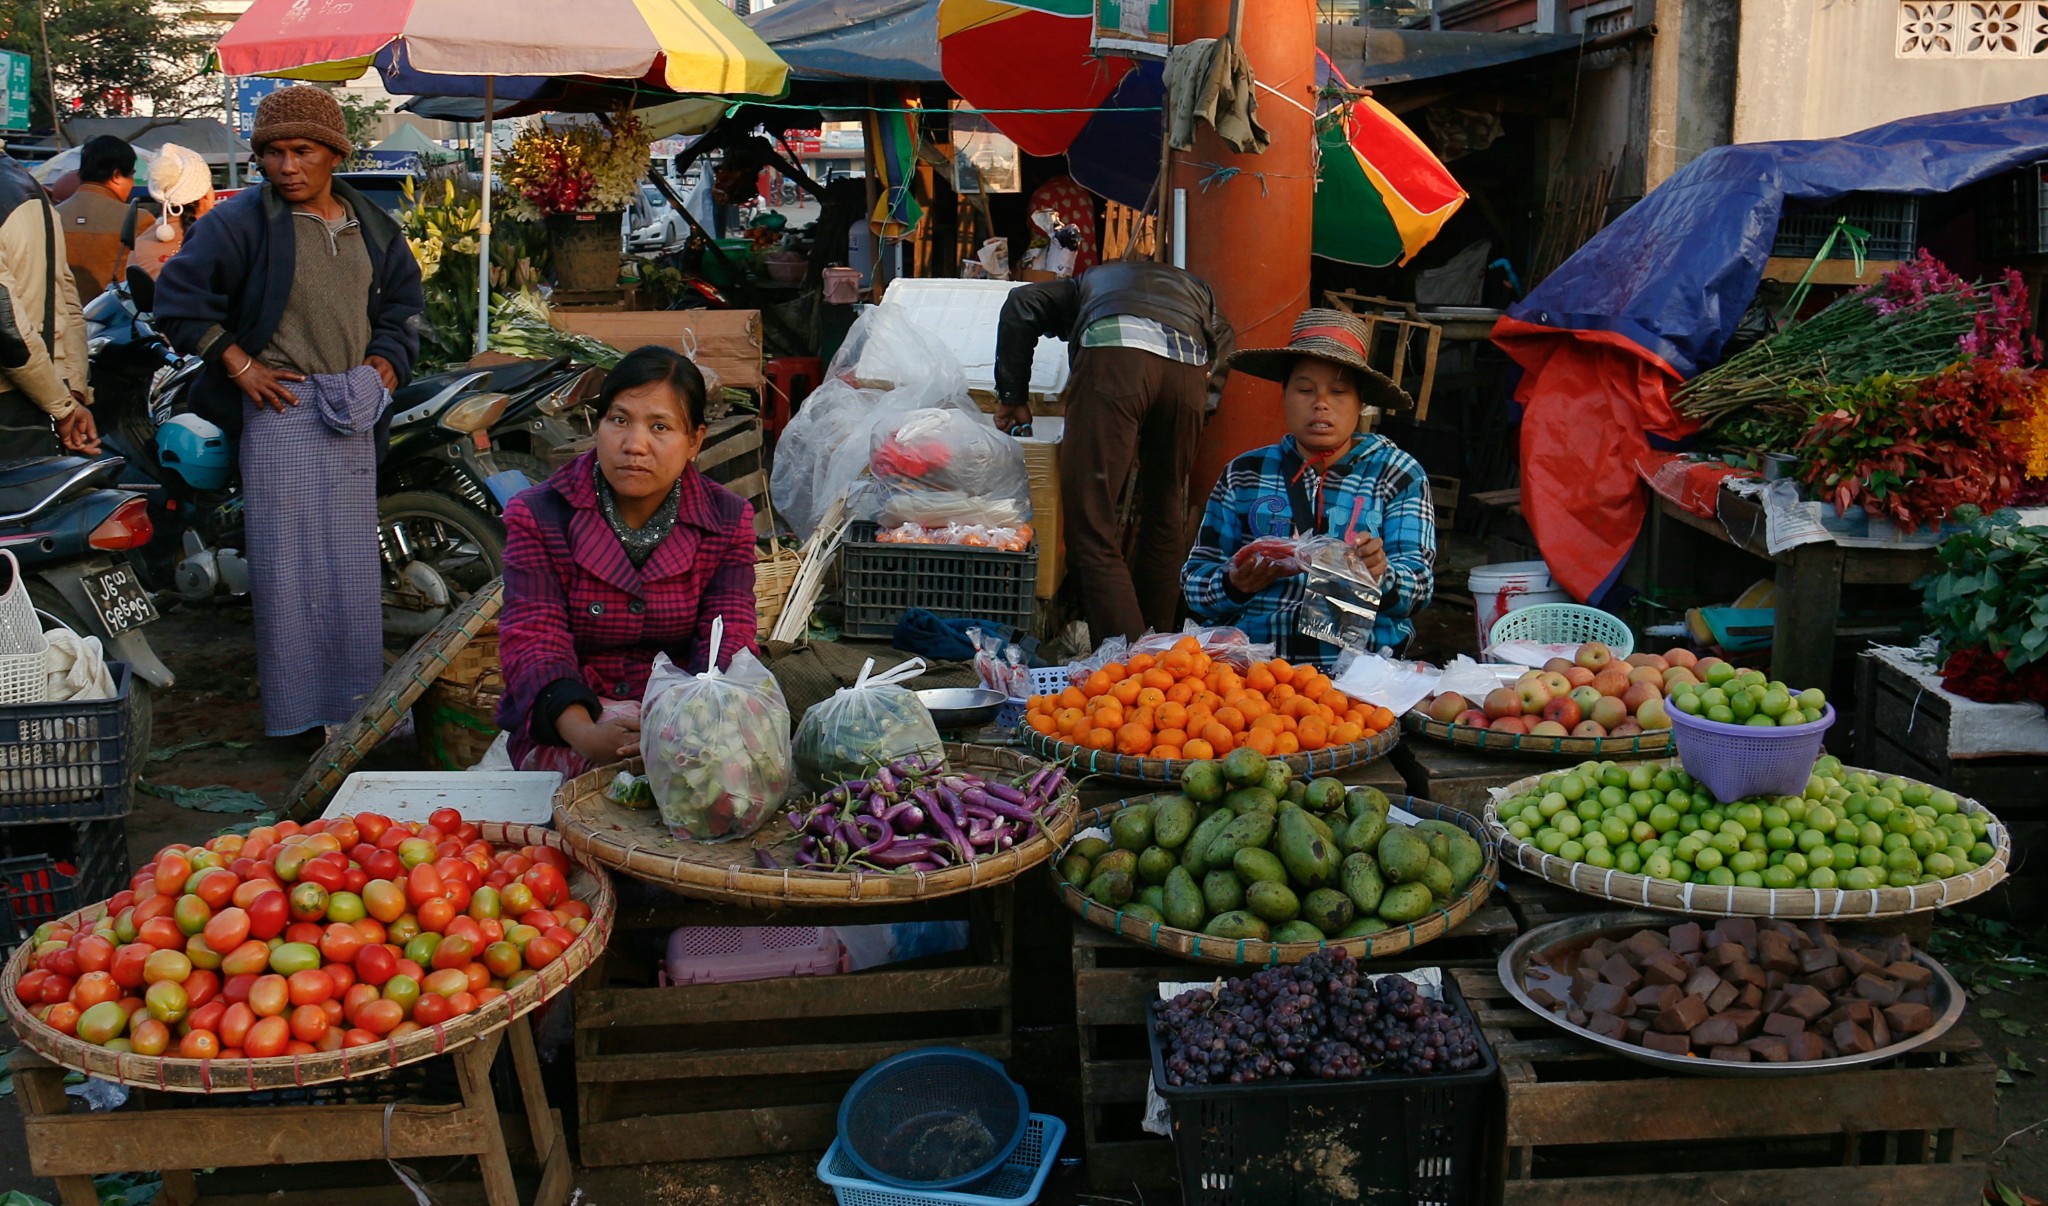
point(1982, 675)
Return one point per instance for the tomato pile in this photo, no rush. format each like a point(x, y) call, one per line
point(297, 939)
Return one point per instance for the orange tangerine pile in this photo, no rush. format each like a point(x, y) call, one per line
point(1183, 704)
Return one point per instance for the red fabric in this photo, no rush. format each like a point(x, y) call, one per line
point(1588, 398)
point(278, 35)
point(1694, 485)
point(1348, 338)
point(575, 607)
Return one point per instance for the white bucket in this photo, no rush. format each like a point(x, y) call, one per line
point(1509, 586)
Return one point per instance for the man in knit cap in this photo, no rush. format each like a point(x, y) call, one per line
point(303, 298)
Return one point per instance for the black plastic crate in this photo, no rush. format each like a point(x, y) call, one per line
point(1393, 1139)
point(47, 871)
point(66, 761)
point(1892, 220)
point(2013, 218)
point(954, 582)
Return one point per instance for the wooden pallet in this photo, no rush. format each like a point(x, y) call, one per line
point(703, 1071)
point(1460, 777)
point(1589, 1128)
point(71, 1148)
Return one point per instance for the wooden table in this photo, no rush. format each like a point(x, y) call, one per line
point(1460, 777)
point(1810, 579)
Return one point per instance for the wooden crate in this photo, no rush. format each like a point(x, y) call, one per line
point(703, 1071)
point(1461, 778)
point(1588, 1128)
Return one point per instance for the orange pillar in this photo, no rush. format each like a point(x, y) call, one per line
point(1248, 236)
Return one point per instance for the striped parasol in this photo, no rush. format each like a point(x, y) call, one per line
point(1027, 54)
point(1381, 195)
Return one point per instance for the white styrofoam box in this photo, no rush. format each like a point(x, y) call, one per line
point(962, 314)
point(513, 797)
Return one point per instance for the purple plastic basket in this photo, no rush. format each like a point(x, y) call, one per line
point(1736, 761)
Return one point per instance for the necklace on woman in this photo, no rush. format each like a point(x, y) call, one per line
point(639, 542)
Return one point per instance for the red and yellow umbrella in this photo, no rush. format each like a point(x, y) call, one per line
point(1027, 54)
point(1381, 195)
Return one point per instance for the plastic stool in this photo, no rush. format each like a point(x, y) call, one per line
point(790, 380)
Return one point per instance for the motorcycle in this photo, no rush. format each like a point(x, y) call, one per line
point(440, 491)
point(73, 532)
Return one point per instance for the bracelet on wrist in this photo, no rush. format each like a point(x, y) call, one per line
point(246, 366)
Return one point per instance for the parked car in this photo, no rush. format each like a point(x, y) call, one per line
point(652, 224)
point(385, 188)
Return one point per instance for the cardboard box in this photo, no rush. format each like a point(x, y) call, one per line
point(1042, 465)
point(726, 341)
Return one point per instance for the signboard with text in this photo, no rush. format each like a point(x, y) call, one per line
point(18, 86)
point(1140, 27)
point(249, 92)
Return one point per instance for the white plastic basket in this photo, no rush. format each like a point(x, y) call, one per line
point(23, 649)
point(1049, 680)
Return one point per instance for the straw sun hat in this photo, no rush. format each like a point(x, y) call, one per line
point(1330, 335)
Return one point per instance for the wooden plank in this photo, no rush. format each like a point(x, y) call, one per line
point(1790, 270)
point(1809, 603)
point(727, 439)
point(1115, 1080)
point(790, 1060)
point(1866, 1185)
point(1642, 1111)
point(473, 1071)
point(710, 1135)
point(1116, 1166)
point(85, 1144)
point(880, 992)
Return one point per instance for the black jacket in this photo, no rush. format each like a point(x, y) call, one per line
point(235, 272)
point(1167, 295)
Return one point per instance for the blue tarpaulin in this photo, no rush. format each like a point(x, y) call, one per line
point(1654, 298)
point(887, 41)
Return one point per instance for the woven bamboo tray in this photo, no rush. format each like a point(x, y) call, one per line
point(1797, 904)
point(1238, 952)
point(1131, 768)
point(635, 842)
point(588, 882)
point(1645, 745)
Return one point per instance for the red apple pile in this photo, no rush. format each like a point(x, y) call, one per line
point(293, 939)
point(1591, 694)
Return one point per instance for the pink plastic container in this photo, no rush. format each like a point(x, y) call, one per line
point(720, 954)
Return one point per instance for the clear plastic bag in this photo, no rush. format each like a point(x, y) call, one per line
point(886, 352)
point(1223, 644)
point(1009, 539)
point(1292, 554)
point(716, 745)
point(1340, 600)
point(937, 466)
point(871, 723)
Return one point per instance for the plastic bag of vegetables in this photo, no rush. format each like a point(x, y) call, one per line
point(716, 745)
point(871, 723)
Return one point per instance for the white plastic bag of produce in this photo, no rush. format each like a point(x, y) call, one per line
point(871, 723)
point(937, 466)
point(716, 745)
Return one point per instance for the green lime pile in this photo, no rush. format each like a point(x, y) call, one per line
point(1848, 830)
point(1248, 851)
point(1732, 696)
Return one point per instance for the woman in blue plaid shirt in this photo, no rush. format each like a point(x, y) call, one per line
point(1323, 478)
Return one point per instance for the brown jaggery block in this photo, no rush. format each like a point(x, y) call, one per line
point(1669, 1044)
point(1746, 1020)
point(1682, 1017)
point(1575, 1016)
point(1606, 998)
point(1806, 1046)
point(1653, 998)
point(1751, 997)
point(1732, 1055)
point(1830, 980)
point(1665, 968)
point(1685, 939)
point(1916, 996)
point(1726, 954)
point(1739, 930)
point(1596, 951)
point(1897, 948)
point(1791, 933)
point(1776, 979)
point(1716, 1032)
point(1774, 951)
point(1638, 1026)
point(1702, 983)
point(1545, 998)
point(1859, 960)
point(1723, 996)
point(1909, 975)
point(1820, 958)
point(1618, 971)
point(1882, 989)
point(1770, 1048)
point(1784, 1025)
point(1805, 1001)
point(1747, 973)
point(1640, 945)
point(1608, 1026)
point(1908, 1018)
point(1851, 1039)
point(1880, 1030)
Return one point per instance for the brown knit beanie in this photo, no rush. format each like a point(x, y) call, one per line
point(301, 111)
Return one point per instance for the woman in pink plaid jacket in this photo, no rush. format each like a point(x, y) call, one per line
point(624, 553)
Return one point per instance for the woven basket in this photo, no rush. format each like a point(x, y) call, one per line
point(1132, 768)
point(588, 882)
point(1521, 745)
point(637, 843)
point(1237, 952)
point(1798, 904)
point(775, 570)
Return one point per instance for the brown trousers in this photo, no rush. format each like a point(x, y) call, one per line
point(1127, 406)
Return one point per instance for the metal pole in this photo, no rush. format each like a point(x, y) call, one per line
point(227, 91)
point(483, 267)
point(1180, 228)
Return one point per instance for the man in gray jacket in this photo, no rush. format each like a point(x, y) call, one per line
point(1147, 344)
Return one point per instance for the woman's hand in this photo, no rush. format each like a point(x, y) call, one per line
point(1371, 553)
point(1255, 574)
point(602, 742)
point(259, 382)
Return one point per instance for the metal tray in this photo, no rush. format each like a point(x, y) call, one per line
point(955, 708)
point(1514, 964)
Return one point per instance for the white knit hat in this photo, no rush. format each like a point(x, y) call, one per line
point(178, 177)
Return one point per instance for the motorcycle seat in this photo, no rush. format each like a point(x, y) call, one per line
point(504, 378)
point(28, 481)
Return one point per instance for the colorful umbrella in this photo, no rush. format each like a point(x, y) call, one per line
point(893, 135)
point(1381, 196)
point(1027, 54)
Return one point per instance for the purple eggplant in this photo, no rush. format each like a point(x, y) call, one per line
point(765, 860)
point(950, 830)
point(1006, 793)
point(806, 858)
point(976, 798)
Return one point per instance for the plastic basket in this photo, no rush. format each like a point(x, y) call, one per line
point(933, 1118)
point(22, 646)
point(47, 871)
point(953, 582)
point(1892, 220)
point(66, 761)
point(1563, 624)
point(1737, 761)
point(1016, 1183)
point(1050, 680)
point(726, 954)
point(1409, 1139)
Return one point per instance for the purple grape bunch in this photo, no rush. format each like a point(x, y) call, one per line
point(1320, 1019)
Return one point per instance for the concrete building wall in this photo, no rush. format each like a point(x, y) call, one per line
point(1823, 68)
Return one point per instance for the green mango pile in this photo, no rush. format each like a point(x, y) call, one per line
point(1249, 851)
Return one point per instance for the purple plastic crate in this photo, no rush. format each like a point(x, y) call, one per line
point(1736, 761)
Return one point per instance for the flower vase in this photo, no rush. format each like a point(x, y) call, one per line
point(586, 250)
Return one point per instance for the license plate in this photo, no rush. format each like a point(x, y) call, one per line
point(119, 599)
